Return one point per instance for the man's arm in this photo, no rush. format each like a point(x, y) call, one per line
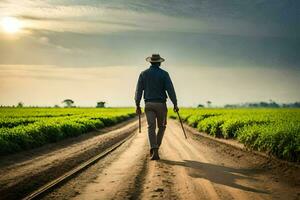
point(170, 89)
point(139, 91)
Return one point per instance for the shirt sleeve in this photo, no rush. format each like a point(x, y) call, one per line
point(170, 89)
point(139, 90)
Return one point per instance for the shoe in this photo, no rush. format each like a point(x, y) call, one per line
point(155, 155)
point(151, 152)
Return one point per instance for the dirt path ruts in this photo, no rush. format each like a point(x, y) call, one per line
point(22, 172)
point(204, 172)
point(188, 169)
point(117, 176)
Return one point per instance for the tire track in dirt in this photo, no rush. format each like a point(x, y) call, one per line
point(158, 182)
point(23, 172)
point(119, 179)
point(178, 153)
point(203, 173)
point(188, 169)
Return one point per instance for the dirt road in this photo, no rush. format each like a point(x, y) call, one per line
point(188, 169)
point(25, 171)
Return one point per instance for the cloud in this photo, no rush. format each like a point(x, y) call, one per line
point(82, 33)
point(230, 17)
point(44, 40)
point(52, 72)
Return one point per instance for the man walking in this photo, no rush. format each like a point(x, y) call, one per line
point(155, 82)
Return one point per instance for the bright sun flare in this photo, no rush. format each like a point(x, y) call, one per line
point(11, 24)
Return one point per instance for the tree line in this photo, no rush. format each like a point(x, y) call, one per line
point(261, 104)
point(67, 103)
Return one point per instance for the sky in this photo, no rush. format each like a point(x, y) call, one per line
point(93, 50)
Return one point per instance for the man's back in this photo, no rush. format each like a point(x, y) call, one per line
point(155, 82)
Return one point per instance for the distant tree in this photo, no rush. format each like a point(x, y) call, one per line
point(200, 106)
point(69, 103)
point(208, 103)
point(296, 105)
point(273, 104)
point(263, 104)
point(56, 106)
point(20, 105)
point(231, 106)
point(100, 104)
point(291, 105)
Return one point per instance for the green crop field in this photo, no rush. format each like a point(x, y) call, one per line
point(26, 128)
point(275, 131)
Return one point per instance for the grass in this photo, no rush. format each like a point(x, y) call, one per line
point(27, 128)
point(275, 131)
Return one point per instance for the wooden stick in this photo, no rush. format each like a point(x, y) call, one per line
point(140, 125)
point(181, 125)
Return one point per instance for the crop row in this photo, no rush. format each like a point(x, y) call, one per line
point(19, 132)
point(275, 131)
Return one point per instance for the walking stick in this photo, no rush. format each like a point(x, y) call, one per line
point(140, 126)
point(181, 125)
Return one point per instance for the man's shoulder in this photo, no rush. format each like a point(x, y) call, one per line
point(163, 71)
point(144, 72)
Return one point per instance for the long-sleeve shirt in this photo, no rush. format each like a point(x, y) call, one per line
point(155, 82)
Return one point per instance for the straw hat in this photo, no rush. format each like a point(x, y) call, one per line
point(155, 58)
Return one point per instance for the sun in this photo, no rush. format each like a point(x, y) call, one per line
point(11, 25)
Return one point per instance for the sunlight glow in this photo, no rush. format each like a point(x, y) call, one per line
point(11, 25)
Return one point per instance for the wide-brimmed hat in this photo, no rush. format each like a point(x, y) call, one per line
point(155, 58)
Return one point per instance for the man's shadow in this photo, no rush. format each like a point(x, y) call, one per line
point(218, 174)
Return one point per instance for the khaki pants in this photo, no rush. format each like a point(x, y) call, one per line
point(156, 113)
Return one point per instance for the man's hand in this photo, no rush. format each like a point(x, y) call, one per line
point(176, 109)
point(138, 110)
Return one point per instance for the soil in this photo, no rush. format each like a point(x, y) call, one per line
point(197, 168)
point(22, 172)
